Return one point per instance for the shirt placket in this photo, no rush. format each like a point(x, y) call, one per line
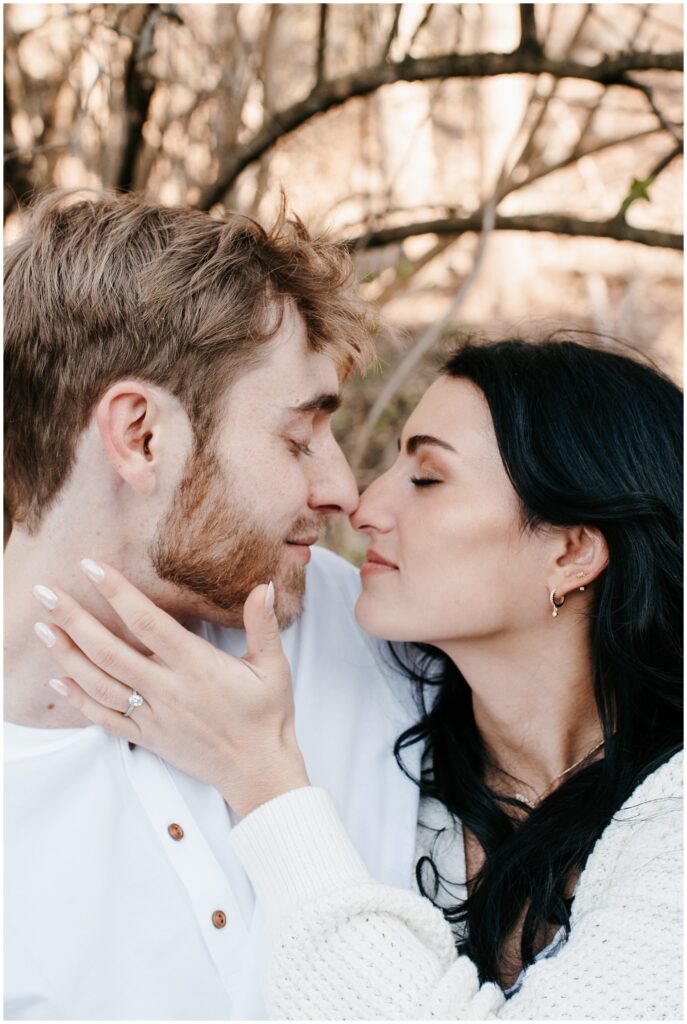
point(215, 907)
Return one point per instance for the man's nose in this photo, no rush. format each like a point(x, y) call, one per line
point(335, 489)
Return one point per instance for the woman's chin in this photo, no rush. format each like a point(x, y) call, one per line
point(378, 620)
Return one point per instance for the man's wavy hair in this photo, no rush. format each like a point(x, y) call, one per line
point(111, 286)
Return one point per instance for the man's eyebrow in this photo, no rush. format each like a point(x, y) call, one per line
point(417, 440)
point(329, 402)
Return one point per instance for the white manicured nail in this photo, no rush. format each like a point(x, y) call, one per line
point(46, 596)
point(92, 570)
point(45, 634)
point(269, 598)
point(59, 686)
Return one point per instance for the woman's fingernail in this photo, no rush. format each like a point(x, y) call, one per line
point(46, 596)
point(269, 598)
point(92, 570)
point(45, 634)
point(59, 686)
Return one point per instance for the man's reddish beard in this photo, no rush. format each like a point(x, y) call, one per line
point(213, 550)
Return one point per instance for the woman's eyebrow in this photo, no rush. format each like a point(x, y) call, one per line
point(417, 440)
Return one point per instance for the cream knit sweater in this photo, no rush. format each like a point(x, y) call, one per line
point(340, 946)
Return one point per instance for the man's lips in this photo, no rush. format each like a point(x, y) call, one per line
point(301, 546)
point(375, 563)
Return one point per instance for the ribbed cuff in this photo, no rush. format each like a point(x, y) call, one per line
point(295, 848)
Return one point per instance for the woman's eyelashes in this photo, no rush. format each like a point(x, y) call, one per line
point(424, 481)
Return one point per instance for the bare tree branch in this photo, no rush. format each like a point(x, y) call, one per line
point(138, 91)
point(321, 45)
point(554, 223)
point(332, 93)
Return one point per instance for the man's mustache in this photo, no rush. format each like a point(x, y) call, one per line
point(305, 528)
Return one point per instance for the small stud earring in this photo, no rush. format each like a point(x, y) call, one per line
point(580, 576)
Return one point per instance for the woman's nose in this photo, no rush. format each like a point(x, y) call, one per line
point(374, 514)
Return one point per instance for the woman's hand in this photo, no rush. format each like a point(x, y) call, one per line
point(227, 721)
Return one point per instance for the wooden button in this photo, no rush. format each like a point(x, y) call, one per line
point(219, 919)
point(176, 831)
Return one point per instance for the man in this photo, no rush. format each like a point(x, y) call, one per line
point(170, 383)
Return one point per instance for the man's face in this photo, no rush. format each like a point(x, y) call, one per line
point(250, 505)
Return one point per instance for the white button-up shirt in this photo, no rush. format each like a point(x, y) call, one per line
point(109, 916)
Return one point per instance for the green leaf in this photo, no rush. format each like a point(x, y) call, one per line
point(639, 189)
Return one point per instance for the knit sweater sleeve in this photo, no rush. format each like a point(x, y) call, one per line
point(339, 946)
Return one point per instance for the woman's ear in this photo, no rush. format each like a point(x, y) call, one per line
point(584, 558)
point(128, 422)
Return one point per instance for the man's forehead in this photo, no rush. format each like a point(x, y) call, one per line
point(290, 378)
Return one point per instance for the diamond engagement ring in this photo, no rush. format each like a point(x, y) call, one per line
point(135, 701)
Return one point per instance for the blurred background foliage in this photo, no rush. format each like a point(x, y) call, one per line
point(495, 168)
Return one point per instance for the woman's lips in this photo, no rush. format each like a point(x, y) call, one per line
point(376, 565)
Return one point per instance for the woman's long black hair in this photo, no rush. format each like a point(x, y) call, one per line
point(588, 437)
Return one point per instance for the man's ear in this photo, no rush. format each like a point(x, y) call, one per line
point(128, 416)
point(584, 558)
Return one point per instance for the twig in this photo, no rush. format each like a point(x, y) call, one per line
point(640, 24)
point(528, 30)
point(427, 341)
point(35, 150)
point(573, 157)
point(608, 24)
point(666, 161)
point(422, 24)
point(665, 123)
point(435, 90)
point(527, 146)
point(392, 32)
point(321, 45)
point(411, 269)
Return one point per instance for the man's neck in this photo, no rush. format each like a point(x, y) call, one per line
point(46, 559)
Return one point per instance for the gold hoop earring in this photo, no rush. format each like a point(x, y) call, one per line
point(556, 604)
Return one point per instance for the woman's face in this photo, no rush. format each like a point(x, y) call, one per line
point(448, 520)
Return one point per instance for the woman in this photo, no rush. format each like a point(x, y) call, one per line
point(527, 541)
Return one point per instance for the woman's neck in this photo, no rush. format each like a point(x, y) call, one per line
point(533, 702)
